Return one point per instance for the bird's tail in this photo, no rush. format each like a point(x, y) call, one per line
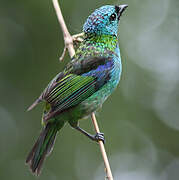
point(42, 148)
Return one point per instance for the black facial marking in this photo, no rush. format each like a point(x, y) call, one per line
point(117, 9)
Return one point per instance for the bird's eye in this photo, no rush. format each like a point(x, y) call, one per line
point(112, 17)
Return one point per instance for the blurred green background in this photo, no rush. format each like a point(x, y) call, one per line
point(140, 120)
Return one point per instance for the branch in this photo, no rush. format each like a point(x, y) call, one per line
point(103, 151)
point(68, 39)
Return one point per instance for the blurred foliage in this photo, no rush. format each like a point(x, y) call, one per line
point(140, 120)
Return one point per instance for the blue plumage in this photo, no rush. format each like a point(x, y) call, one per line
point(99, 23)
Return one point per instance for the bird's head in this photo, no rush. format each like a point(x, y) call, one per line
point(104, 20)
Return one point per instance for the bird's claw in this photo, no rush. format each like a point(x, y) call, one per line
point(99, 137)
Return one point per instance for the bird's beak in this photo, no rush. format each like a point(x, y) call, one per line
point(121, 9)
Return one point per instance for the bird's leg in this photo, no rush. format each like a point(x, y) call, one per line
point(97, 137)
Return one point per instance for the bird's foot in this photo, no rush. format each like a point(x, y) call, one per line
point(99, 137)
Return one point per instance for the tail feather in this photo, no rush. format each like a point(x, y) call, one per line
point(42, 148)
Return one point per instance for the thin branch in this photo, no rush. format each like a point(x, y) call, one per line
point(103, 151)
point(68, 39)
point(77, 37)
point(63, 54)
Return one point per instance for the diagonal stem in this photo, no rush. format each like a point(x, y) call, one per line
point(103, 151)
point(67, 37)
point(69, 44)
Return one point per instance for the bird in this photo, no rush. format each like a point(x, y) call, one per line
point(85, 83)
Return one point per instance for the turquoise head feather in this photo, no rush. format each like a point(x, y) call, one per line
point(104, 20)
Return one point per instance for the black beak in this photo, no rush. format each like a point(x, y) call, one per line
point(120, 9)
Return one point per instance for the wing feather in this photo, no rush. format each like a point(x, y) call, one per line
point(76, 89)
point(76, 83)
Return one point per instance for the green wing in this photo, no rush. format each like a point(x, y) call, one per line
point(68, 92)
point(76, 83)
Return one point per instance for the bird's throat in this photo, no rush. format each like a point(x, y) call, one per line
point(103, 41)
point(96, 45)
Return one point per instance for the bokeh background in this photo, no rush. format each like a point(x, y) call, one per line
point(140, 120)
